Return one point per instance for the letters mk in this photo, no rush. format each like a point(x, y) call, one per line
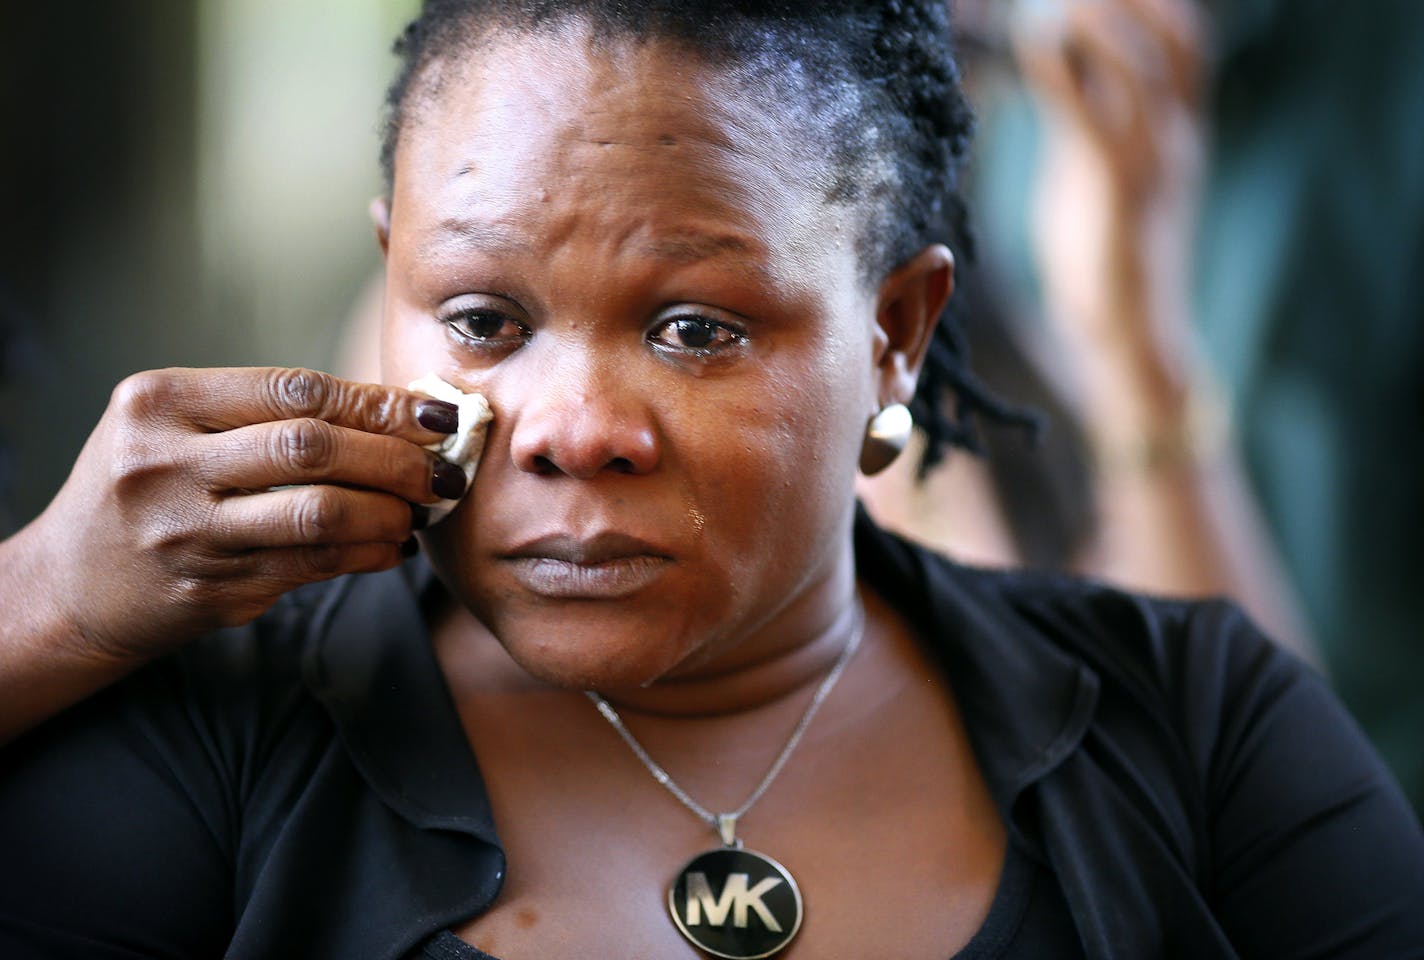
point(736, 899)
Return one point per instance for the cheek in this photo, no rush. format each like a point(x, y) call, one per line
point(784, 449)
point(816, 410)
point(408, 348)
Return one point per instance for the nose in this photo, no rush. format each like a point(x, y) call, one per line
point(580, 418)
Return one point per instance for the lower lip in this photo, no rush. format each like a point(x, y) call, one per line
point(564, 580)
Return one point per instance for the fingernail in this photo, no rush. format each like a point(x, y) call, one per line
point(410, 548)
point(419, 516)
point(437, 416)
point(447, 481)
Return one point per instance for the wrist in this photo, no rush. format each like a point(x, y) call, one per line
point(1187, 430)
point(57, 610)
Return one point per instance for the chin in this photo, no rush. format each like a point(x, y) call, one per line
point(586, 652)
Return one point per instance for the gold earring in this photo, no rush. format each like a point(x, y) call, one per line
point(887, 433)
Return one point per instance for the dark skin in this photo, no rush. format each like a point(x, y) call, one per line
point(612, 243)
point(167, 526)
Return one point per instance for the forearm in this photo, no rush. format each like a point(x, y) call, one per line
point(1176, 513)
point(46, 661)
point(1191, 528)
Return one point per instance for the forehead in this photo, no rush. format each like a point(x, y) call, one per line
point(647, 137)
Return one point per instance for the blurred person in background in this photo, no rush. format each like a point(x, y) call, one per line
point(1310, 296)
point(1306, 295)
point(1164, 506)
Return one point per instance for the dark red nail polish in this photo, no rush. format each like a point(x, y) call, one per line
point(447, 481)
point(438, 416)
point(410, 548)
point(419, 516)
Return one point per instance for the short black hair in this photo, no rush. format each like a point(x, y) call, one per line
point(896, 152)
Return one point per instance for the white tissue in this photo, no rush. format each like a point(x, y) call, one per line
point(464, 446)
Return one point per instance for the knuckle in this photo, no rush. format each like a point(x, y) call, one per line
point(388, 413)
point(193, 592)
point(317, 516)
point(376, 409)
point(212, 604)
point(300, 392)
point(142, 396)
point(137, 440)
point(303, 446)
point(168, 536)
point(134, 468)
point(140, 463)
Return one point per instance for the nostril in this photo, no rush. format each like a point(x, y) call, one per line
point(554, 439)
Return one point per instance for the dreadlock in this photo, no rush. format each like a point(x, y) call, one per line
point(879, 92)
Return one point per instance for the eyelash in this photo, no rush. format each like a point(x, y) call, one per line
point(458, 322)
point(735, 338)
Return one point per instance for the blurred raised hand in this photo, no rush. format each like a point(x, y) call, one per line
point(1118, 85)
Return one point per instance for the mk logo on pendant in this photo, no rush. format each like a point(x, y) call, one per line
point(735, 899)
point(735, 903)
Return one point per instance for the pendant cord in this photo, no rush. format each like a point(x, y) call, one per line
point(721, 822)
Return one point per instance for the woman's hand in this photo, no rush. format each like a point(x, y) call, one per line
point(200, 498)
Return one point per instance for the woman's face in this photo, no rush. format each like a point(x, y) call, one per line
point(625, 254)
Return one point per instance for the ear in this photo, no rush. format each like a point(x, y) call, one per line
point(380, 211)
point(907, 311)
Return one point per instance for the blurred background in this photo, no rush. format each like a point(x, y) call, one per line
point(187, 184)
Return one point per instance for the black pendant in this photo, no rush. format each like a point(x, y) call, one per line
point(735, 903)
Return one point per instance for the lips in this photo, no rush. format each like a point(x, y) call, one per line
point(599, 548)
point(605, 566)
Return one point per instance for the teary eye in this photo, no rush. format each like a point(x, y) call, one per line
point(485, 327)
point(694, 334)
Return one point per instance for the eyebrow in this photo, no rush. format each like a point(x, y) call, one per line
point(684, 248)
point(486, 236)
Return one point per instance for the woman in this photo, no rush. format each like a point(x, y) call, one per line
point(689, 255)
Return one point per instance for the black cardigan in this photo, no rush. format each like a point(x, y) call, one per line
point(302, 787)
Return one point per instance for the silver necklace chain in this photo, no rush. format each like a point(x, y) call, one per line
point(726, 823)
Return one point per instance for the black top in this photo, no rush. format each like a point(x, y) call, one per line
point(1028, 918)
point(302, 787)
